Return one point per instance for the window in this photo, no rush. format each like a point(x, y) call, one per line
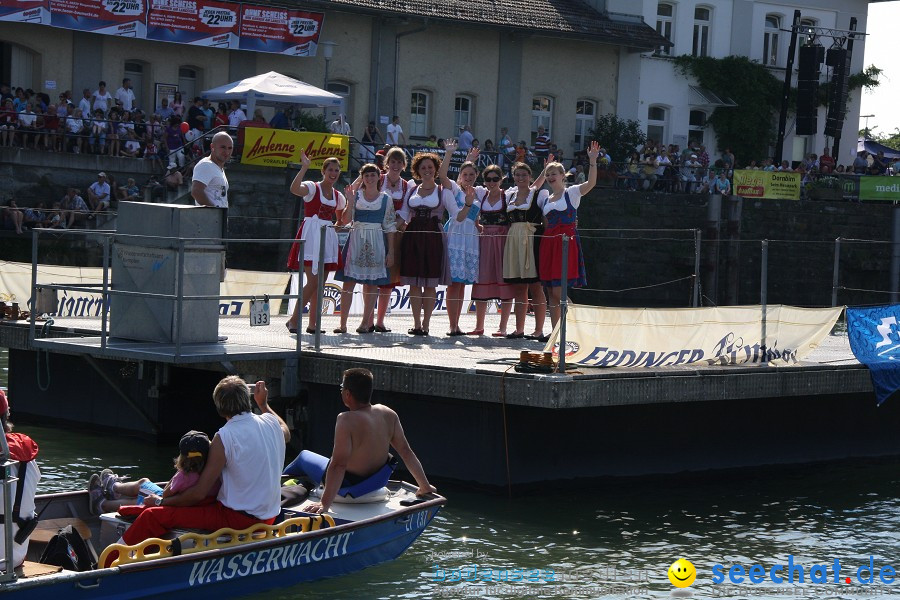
point(664, 14)
point(656, 124)
point(696, 128)
point(19, 66)
point(188, 83)
point(770, 41)
point(134, 71)
point(701, 31)
point(541, 115)
point(342, 90)
point(805, 37)
point(585, 114)
point(418, 114)
point(462, 112)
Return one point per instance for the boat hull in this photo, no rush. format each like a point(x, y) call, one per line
point(245, 569)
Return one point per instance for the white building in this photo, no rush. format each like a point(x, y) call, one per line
point(674, 109)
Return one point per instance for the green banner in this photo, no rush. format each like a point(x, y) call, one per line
point(876, 187)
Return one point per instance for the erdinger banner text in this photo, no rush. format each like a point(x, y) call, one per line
point(15, 286)
point(875, 340)
point(278, 147)
point(598, 336)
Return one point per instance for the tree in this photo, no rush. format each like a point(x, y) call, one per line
point(305, 121)
point(618, 136)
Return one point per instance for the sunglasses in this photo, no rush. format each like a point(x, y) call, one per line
point(494, 179)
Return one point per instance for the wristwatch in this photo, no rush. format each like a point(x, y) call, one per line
point(159, 501)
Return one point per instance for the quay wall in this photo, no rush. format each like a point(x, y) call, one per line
point(626, 264)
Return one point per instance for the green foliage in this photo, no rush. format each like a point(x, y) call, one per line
point(618, 136)
point(891, 140)
point(866, 79)
point(305, 121)
point(748, 129)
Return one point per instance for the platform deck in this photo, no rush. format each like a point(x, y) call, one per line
point(467, 367)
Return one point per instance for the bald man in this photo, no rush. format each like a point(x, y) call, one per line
point(209, 186)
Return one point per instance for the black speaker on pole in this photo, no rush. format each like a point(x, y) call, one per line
point(839, 60)
point(808, 89)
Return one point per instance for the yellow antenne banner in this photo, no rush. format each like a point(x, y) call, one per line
point(278, 147)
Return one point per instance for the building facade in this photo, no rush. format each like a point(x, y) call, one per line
point(438, 66)
point(671, 106)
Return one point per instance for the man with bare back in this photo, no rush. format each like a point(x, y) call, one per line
point(360, 461)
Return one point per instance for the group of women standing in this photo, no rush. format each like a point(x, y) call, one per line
point(507, 244)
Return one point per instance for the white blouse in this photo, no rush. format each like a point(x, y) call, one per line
point(574, 199)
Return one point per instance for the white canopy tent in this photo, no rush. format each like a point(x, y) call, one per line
point(271, 89)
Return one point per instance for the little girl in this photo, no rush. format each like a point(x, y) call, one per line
point(108, 492)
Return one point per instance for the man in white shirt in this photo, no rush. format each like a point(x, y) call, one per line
point(102, 99)
point(98, 193)
point(395, 135)
point(209, 185)
point(85, 103)
point(465, 138)
point(247, 453)
point(236, 116)
point(125, 95)
point(340, 126)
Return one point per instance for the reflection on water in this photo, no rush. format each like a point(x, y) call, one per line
point(610, 542)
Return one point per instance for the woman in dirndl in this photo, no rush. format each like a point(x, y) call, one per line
point(560, 210)
point(322, 204)
point(423, 249)
point(462, 232)
point(369, 252)
point(521, 251)
point(393, 184)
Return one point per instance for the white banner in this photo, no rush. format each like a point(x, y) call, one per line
point(599, 336)
point(399, 298)
point(15, 286)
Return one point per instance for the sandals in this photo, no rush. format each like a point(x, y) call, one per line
point(380, 329)
point(417, 331)
point(340, 330)
point(290, 329)
point(365, 329)
point(515, 336)
point(499, 334)
point(476, 332)
point(455, 333)
point(313, 331)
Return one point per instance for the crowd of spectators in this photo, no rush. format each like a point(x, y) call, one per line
point(106, 123)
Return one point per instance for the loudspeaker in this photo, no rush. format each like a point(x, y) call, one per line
point(839, 60)
point(808, 89)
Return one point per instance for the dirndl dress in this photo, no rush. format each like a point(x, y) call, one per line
point(462, 243)
point(317, 211)
point(394, 270)
point(366, 248)
point(559, 223)
point(423, 248)
point(522, 249)
point(495, 226)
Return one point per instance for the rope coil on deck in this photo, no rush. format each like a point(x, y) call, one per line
point(211, 541)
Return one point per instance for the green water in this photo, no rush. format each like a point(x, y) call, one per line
point(615, 541)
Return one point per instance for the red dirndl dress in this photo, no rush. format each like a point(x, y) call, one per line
point(315, 214)
point(559, 223)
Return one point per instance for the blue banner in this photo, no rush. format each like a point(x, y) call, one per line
point(875, 341)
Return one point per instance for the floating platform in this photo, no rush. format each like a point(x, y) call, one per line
point(468, 414)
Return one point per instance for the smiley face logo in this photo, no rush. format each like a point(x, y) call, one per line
point(682, 573)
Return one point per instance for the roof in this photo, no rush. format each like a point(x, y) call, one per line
point(551, 18)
